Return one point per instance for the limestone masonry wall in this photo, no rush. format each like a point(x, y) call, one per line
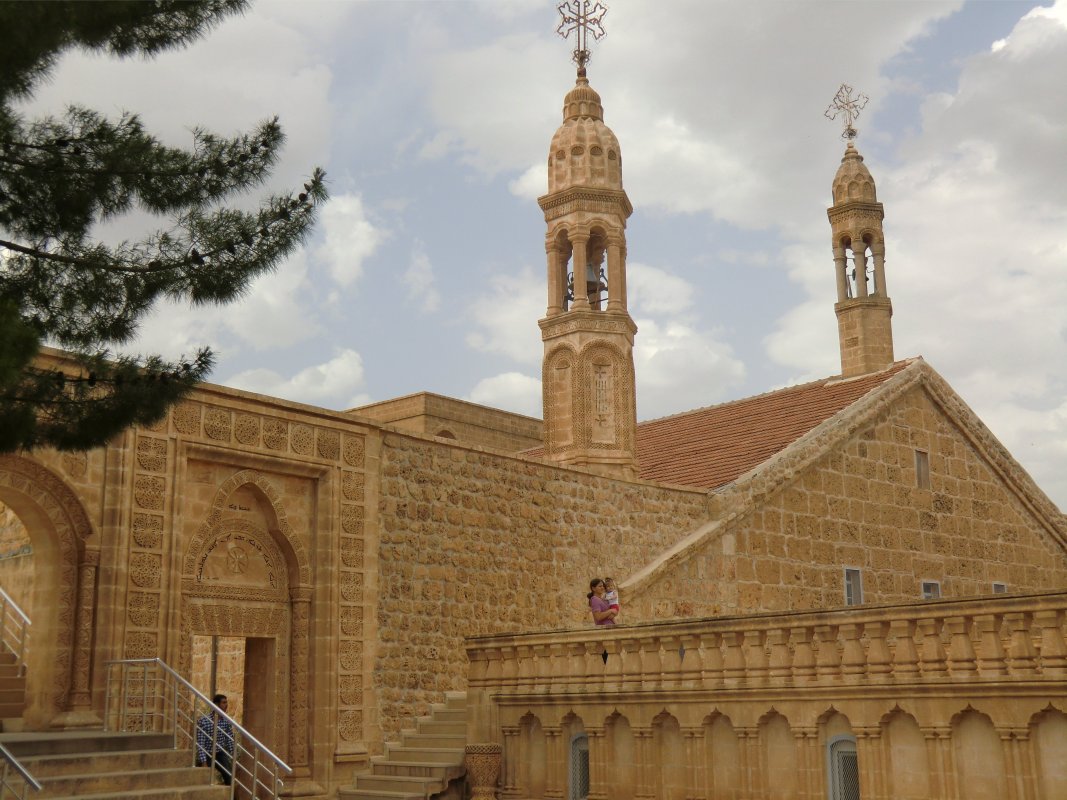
point(859, 506)
point(473, 542)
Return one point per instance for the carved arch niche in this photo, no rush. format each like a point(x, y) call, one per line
point(245, 574)
point(557, 380)
point(66, 555)
point(606, 384)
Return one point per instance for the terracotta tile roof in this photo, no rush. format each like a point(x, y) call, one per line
point(710, 447)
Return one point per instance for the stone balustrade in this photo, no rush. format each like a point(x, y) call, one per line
point(951, 698)
point(951, 641)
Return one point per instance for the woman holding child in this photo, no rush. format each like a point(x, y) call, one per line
point(604, 613)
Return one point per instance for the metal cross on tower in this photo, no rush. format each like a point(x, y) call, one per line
point(845, 104)
point(586, 18)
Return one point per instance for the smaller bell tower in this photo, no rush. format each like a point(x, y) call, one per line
point(864, 310)
point(590, 408)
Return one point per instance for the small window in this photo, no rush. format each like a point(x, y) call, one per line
point(922, 469)
point(931, 590)
point(853, 587)
point(1000, 588)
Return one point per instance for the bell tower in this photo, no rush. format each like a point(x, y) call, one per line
point(587, 373)
point(864, 310)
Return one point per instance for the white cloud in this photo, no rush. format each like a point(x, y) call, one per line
point(651, 290)
point(511, 391)
point(419, 280)
point(348, 238)
point(334, 383)
point(975, 215)
point(504, 318)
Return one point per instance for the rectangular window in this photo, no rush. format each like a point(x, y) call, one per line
point(922, 469)
point(1000, 588)
point(931, 590)
point(853, 587)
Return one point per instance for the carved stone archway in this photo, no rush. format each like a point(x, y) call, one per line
point(280, 545)
point(65, 544)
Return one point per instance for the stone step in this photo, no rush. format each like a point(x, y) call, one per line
point(425, 755)
point(43, 743)
point(179, 793)
point(456, 700)
point(443, 714)
point(8, 710)
point(118, 761)
point(12, 724)
point(435, 727)
point(421, 739)
point(12, 682)
point(13, 695)
point(424, 769)
point(124, 783)
point(399, 783)
point(371, 794)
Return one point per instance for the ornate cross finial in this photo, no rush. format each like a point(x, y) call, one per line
point(586, 17)
point(849, 106)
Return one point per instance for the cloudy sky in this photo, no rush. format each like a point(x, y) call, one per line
point(433, 121)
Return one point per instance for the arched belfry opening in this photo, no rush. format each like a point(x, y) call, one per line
point(587, 373)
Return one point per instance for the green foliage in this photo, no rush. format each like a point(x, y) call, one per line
point(60, 176)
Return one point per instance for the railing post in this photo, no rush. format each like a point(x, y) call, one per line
point(1022, 658)
point(878, 660)
point(1053, 647)
point(828, 662)
point(932, 658)
point(990, 648)
point(803, 655)
point(961, 658)
point(905, 656)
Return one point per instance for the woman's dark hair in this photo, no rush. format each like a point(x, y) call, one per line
point(592, 587)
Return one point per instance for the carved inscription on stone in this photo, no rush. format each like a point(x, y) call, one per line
point(236, 559)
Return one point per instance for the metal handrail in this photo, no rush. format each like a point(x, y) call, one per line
point(14, 640)
point(17, 790)
point(149, 698)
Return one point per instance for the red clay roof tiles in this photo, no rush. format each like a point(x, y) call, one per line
point(713, 446)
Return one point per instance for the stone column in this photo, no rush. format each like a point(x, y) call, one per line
point(643, 744)
point(696, 780)
point(510, 778)
point(840, 270)
point(869, 761)
point(859, 262)
point(79, 711)
point(616, 275)
point(579, 244)
point(555, 278)
point(299, 669)
point(598, 764)
point(878, 250)
point(808, 761)
point(555, 777)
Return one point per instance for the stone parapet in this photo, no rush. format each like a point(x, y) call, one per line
point(979, 679)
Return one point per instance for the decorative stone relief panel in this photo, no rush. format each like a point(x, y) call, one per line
point(186, 418)
point(354, 450)
point(75, 464)
point(302, 439)
point(275, 434)
point(151, 454)
point(246, 430)
point(148, 491)
point(218, 424)
point(328, 444)
point(147, 530)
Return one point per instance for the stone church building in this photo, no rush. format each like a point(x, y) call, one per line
point(853, 563)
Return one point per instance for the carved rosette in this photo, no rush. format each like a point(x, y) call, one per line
point(483, 769)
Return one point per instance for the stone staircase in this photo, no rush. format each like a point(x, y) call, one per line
point(423, 763)
point(12, 691)
point(94, 765)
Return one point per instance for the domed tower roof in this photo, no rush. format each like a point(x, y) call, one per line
point(584, 151)
point(853, 181)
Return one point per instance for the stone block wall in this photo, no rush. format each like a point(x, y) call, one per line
point(16, 559)
point(860, 506)
point(473, 542)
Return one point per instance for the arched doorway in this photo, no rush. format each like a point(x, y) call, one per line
point(246, 583)
point(60, 596)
